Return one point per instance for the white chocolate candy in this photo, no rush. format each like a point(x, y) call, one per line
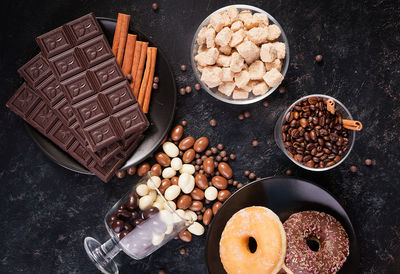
point(190, 215)
point(171, 205)
point(152, 194)
point(157, 239)
point(170, 228)
point(158, 205)
point(196, 229)
point(142, 190)
point(159, 199)
point(172, 192)
point(166, 216)
point(168, 172)
point(211, 193)
point(170, 149)
point(145, 202)
point(186, 183)
point(176, 163)
point(179, 215)
point(187, 168)
point(153, 182)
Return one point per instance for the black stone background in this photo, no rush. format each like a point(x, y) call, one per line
point(46, 210)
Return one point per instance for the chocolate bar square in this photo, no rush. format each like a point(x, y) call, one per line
point(78, 87)
point(23, 101)
point(50, 91)
point(63, 136)
point(131, 120)
point(95, 51)
point(35, 71)
point(106, 74)
point(43, 117)
point(65, 112)
point(118, 97)
point(83, 29)
point(90, 110)
point(54, 42)
point(101, 134)
point(67, 64)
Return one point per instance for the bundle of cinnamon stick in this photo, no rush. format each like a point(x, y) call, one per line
point(137, 59)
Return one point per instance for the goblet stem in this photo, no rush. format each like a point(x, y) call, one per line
point(102, 255)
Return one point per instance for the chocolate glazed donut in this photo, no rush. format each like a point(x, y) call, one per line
point(316, 243)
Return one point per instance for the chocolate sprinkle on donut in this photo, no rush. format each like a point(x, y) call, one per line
point(326, 232)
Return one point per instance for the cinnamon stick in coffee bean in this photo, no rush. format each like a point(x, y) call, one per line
point(313, 136)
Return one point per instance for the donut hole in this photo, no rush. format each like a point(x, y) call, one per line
point(252, 245)
point(313, 243)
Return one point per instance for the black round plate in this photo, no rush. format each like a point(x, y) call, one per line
point(285, 196)
point(161, 114)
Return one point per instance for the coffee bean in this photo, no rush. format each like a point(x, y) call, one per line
point(318, 58)
point(213, 122)
point(132, 170)
point(120, 174)
point(197, 86)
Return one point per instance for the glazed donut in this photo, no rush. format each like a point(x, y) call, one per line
point(267, 230)
point(321, 228)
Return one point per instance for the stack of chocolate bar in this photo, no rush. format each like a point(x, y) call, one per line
point(76, 95)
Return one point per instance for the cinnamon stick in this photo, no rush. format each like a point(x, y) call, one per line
point(352, 125)
point(122, 37)
point(149, 86)
point(144, 84)
point(139, 72)
point(129, 53)
point(135, 64)
point(117, 34)
point(330, 105)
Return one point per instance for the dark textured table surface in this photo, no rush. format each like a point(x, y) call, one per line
point(47, 211)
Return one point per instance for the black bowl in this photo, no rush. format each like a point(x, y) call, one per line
point(161, 114)
point(285, 196)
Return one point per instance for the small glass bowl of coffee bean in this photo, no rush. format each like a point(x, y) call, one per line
point(138, 224)
point(313, 137)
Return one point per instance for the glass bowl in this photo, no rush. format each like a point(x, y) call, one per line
point(214, 91)
point(278, 131)
point(140, 231)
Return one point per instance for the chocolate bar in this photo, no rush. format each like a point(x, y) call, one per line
point(93, 84)
point(50, 91)
point(36, 112)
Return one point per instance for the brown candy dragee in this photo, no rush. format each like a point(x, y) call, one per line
point(219, 182)
point(201, 144)
point(207, 216)
point(216, 206)
point(313, 136)
point(225, 170)
point(201, 181)
point(223, 195)
point(117, 226)
point(143, 168)
point(185, 236)
point(186, 143)
point(176, 133)
point(174, 180)
point(188, 156)
point(163, 159)
point(184, 202)
point(165, 183)
point(196, 206)
point(132, 201)
point(208, 165)
point(197, 194)
point(156, 170)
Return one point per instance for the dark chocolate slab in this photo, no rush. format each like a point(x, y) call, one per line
point(35, 70)
point(54, 42)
